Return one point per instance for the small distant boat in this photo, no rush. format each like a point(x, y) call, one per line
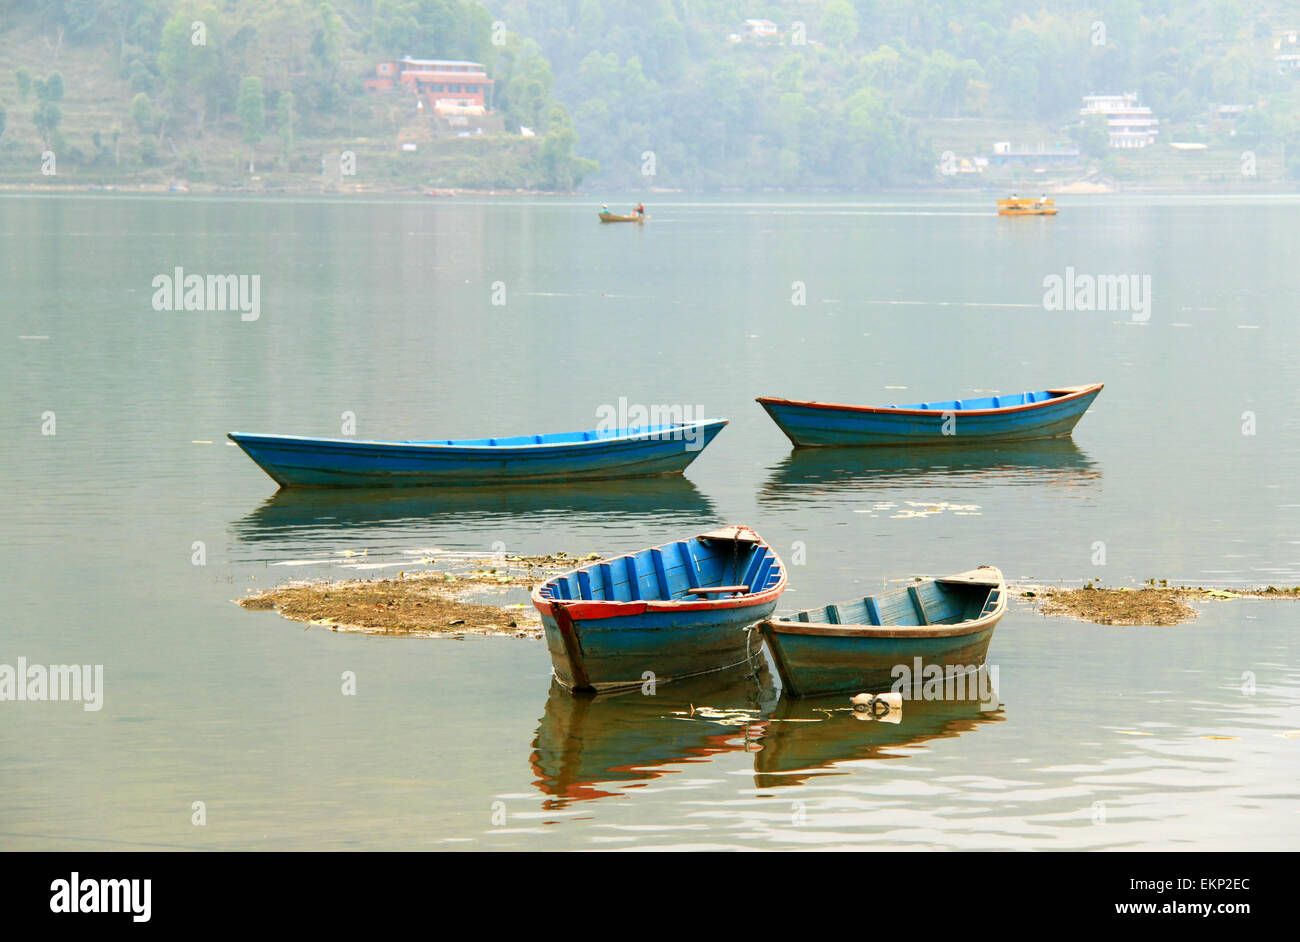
point(294, 461)
point(856, 645)
point(1027, 206)
point(1048, 413)
point(674, 611)
point(614, 217)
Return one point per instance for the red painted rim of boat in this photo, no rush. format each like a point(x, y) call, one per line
point(595, 608)
point(772, 626)
point(1066, 393)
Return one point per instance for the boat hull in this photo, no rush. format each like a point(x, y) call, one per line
point(815, 664)
point(817, 424)
point(683, 609)
point(1027, 207)
point(889, 641)
point(627, 651)
point(308, 462)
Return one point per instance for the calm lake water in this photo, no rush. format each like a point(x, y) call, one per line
point(1182, 737)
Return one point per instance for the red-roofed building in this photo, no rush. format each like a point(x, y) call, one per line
point(448, 86)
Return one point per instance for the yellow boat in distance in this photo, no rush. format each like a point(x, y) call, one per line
point(612, 217)
point(1027, 206)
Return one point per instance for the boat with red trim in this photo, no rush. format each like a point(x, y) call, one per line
point(661, 614)
point(1047, 413)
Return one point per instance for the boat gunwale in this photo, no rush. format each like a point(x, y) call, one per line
point(1064, 394)
point(663, 433)
point(587, 609)
point(973, 626)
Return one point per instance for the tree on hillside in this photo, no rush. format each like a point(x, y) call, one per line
point(284, 125)
point(882, 68)
point(524, 83)
point(252, 115)
point(874, 137)
point(1092, 135)
point(560, 169)
point(327, 56)
point(47, 115)
point(134, 22)
point(1228, 18)
point(945, 81)
point(142, 113)
point(437, 29)
point(24, 80)
point(192, 72)
point(840, 23)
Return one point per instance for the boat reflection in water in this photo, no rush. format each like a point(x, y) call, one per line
point(810, 474)
point(807, 737)
point(296, 519)
point(590, 747)
point(598, 746)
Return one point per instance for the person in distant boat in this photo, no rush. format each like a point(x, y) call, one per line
point(640, 209)
point(604, 207)
point(1042, 200)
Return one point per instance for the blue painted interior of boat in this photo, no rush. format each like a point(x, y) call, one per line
point(926, 603)
point(987, 402)
point(670, 572)
point(557, 438)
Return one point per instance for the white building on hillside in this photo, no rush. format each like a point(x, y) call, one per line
point(760, 31)
point(1130, 125)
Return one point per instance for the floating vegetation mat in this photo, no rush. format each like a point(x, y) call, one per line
point(1151, 605)
point(430, 603)
point(919, 508)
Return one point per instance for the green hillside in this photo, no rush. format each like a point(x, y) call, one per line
point(643, 94)
point(143, 95)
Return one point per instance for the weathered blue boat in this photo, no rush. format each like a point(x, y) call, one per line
point(1048, 413)
point(294, 461)
point(863, 645)
point(673, 611)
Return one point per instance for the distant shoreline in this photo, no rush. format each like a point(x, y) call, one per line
point(210, 189)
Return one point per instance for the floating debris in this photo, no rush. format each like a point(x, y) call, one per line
point(1117, 606)
point(930, 508)
point(432, 603)
point(884, 707)
point(735, 717)
point(1151, 604)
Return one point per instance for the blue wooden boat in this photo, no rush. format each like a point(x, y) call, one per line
point(1048, 413)
point(857, 646)
point(294, 461)
point(674, 611)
